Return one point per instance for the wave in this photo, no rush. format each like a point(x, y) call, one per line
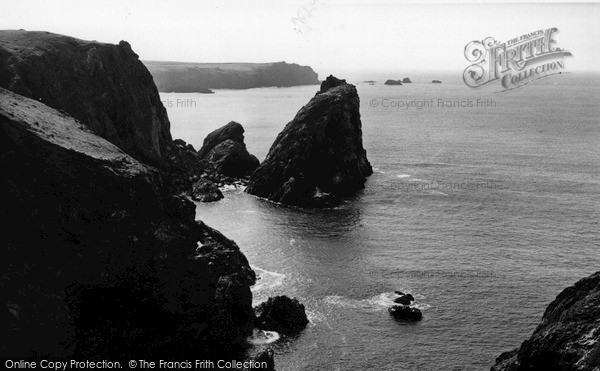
point(266, 280)
point(260, 337)
point(372, 304)
point(401, 176)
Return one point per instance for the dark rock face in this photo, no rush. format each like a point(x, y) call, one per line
point(233, 131)
point(184, 166)
point(206, 191)
point(319, 155)
point(201, 77)
point(405, 299)
point(568, 337)
point(232, 159)
point(282, 314)
point(225, 149)
point(119, 266)
point(103, 86)
point(405, 313)
point(331, 82)
point(406, 80)
point(393, 82)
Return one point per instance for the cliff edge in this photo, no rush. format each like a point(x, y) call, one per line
point(103, 86)
point(99, 260)
point(568, 337)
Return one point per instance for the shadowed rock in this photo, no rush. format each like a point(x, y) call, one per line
point(567, 338)
point(99, 259)
point(281, 314)
point(405, 313)
point(206, 191)
point(393, 82)
point(319, 156)
point(103, 86)
point(226, 150)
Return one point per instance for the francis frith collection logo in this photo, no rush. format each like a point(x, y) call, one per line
point(516, 62)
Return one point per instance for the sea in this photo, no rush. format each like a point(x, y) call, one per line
point(484, 205)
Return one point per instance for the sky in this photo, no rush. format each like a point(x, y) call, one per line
point(328, 35)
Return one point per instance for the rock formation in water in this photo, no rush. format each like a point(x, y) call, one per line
point(281, 314)
point(201, 77)
point(436, 82)
point(405, 313)
point(103, 86)
point(319, 156)
point(206, 191)
point(99, 259)
point(406, 80)
point(568, 337)
point(225, 149)
point(393, 82)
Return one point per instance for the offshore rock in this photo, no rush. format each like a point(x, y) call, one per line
point(281, 314)
point(225, 149)
point(405, 313)
point(319, 156)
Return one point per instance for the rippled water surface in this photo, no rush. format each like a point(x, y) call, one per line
point(483, 214)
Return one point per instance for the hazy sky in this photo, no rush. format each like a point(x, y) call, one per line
point(333, 36)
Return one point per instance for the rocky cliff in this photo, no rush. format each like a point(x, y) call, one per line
point(568, 337)
point(103, 86)
point(200, 77)
point(319, 155)
point(99, 259)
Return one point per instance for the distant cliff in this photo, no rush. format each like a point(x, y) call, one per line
point(568, 337)
point(200, 77)
point(104, 86)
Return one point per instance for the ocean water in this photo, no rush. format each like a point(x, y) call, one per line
point(484, 214)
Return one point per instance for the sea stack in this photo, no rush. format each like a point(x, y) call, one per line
point(319, 155)
point(226, 150)
point(568, 337)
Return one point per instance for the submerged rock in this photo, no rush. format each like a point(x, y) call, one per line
point(281, 314)
point(319, 156)
point(405, 313)
point(226, 150)
point(568, 337)
point(206, 191)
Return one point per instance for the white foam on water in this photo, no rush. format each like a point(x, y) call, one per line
point(266, 280)
point(372, 304)
point(315, 317)
point(228, 187)
point(401, 176)
point(260, 337)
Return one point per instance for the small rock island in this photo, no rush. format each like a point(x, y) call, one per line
point(319, 156)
